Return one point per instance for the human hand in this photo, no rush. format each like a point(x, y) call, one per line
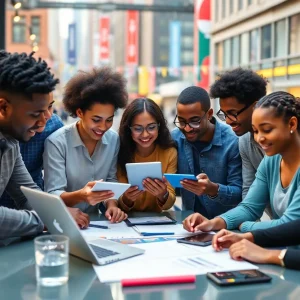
point(196, 222)
point(94, 198)
point(82, 219)
point(133, 193)
point(203, 186)
point(225, 238)
point(156, 187)
point(115, 214)
point(249, 251)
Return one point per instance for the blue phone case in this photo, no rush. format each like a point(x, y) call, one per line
point(174, 179)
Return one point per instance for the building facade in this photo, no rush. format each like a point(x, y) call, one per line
point(263, 35)
point(19, 30)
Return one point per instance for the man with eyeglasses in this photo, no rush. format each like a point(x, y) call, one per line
point(238, 91)
point(209, 150)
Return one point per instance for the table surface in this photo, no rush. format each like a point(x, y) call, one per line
point(17, 280)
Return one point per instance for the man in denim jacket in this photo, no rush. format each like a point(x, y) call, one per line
point(209, 150)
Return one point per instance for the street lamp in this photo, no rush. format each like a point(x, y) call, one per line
point(32, 36)
point(16, 4)
point(17, 17)
point(35, 47)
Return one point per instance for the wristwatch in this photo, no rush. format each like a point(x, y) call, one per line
point(281, 257)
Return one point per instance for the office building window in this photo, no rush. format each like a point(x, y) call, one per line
point(219, 56)
point(280, 38)
point(223, 9)
point(241, 4)
point(254, 45)
point(216, 7)
point(187, 58)
point(163, 41)
point(19, 31)
point(235, 51)
point(227, 53)
point(266, 42)
point(295, 34)
point(187, 41)
point(231, 6)
point(245, 47)
point(188, 26)
point(36, 28)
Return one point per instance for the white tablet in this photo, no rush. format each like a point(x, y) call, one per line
point(117, 188)
point(137, 172)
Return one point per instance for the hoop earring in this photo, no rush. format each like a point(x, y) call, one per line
point(291, 131)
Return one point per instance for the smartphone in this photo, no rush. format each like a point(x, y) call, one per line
point(174, 179)
point(238, 277)
point(202, 239)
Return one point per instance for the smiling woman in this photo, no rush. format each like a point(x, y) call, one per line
point(144, 137)
point(85, 151)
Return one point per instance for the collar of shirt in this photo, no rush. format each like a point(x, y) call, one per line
point(7, 141)
point(76, 139)
point(217, 138)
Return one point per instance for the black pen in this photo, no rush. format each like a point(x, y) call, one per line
point(98, 226)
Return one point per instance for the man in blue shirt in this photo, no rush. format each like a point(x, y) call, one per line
point(209, 150)
point(32, 152)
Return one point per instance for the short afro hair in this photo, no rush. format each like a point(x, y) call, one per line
point(193, 94)
point(21, 73)
point(101, 85)
point(243, 84)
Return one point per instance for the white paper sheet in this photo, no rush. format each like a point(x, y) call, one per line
point(169, 259)
point(116, 230)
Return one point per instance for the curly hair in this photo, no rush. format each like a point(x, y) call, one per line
point(243, 84)
point(101, 85)
point(284, 104)
point(127, 144)
point(22, 73)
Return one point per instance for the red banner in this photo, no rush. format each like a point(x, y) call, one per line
point(132, 37)
point(104, 23)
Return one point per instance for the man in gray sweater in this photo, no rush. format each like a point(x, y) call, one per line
point(238, 91)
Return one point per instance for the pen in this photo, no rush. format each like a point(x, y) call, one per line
point(98, 226)
point(158, 280)
point(156, 233)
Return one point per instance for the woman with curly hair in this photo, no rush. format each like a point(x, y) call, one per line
point(79, 154)
point(144, 137)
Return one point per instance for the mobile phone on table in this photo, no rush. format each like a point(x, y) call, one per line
point(238, 277)
point(202, 239)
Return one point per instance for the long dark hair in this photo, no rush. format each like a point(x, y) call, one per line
point(127, 145)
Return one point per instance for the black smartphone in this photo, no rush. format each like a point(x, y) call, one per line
point(202, 239)
point(238, 277)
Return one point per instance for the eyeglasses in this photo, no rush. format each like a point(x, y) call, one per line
point(193, 124)
point(231, 116)
point(150, 128)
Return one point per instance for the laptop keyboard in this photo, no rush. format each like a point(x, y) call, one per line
point(102, 252)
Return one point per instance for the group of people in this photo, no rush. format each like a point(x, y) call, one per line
point(242, 170)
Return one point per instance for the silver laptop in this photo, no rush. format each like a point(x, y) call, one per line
point(54, 213)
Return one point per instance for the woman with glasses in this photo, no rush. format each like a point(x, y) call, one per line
point(78, 155)
point(144, 137)
point(276, 127)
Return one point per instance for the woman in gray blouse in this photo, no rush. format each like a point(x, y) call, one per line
point(79, 154)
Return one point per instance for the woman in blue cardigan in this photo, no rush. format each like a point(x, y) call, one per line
point(276, 127)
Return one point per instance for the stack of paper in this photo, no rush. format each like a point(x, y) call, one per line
point(170, 259)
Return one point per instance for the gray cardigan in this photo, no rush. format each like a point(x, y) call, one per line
point(251, 154)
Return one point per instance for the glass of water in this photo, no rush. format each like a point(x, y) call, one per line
point(52, 259)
